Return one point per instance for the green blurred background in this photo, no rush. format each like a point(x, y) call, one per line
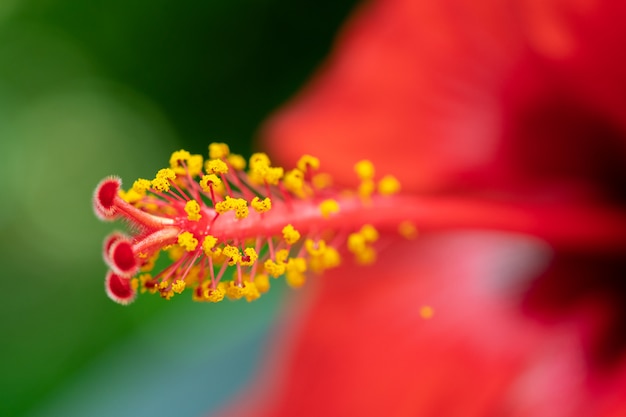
point(90, 88)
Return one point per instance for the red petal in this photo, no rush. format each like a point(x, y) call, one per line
point(363, 349)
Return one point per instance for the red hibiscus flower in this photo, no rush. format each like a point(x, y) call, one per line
point(518, 104)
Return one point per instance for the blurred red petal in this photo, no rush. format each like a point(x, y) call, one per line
point(519, 101)
point(363, 349)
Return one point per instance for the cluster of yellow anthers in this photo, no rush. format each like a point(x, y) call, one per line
point(214, 216)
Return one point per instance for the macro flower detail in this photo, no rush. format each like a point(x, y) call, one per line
point(212, 216)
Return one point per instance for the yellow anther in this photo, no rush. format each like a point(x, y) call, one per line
point(163, 285)
point(369, 233)
point(177, 159)
point(209, 181)
point(232, 252)
point(259, 160)
point(216, 254)
point(131, 196)
point(234, 291)
point(241, 208)
point(366, 256)
point(134, 284)
point(282, 255)
point(160, 184)
point(178, 286)
point(262, 283)
point(315, 248)
point(239, 205)
point(250, 291)
point(426, 312)
point(187, 241)
point(214, 295)
point(331, 258)
point(356, 242)
point(273, 175)
point(290, 234)
point(192, 208)
point(364, 169)
point(216, 166)
point(148, 265)
point(208, 244)
point(261, 205)
point(176, 252)
point(146, 283)
point(194, 165)
point(275, 269)
point(296, 264)
point(322, 180)
point(218, 150)
point(407, 229)
point(366, 188)
point(295, 277)
point(167, 295)
point(141, 186)
point(166, 173)
point(329, 207)
point(249, 258)
point(388, 185)
point(294, 182)
point(308, 162)
point(224, 206)
point(237, 162)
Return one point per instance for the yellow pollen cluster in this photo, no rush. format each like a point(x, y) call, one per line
point(307, 162)
point(277, 268)
point(178, 158)
point(290, 234)
point(364, 169)
point(218, 150)
point(329, 207)
point(178, 286)
point(162, 180)
point(141, 186)
point(208, 244)
point(182, 162)
point(388, 185)
point(261, 206)
point(322, 180)
point(262, 283)
point(192, 208)
point(215, 295)
point(209, 181)
point(238, 162)
point(187, 241)
point(359, 243)
point(249, 258)
point(232, 253)
point(246, 289)
point(137, 192)
point(239, 205)
point(261, 172)
point(216, 166)
point(321, 255)
point(294, 182)
point(295, 269)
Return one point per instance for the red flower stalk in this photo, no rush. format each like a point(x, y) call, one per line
point(263, 222)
